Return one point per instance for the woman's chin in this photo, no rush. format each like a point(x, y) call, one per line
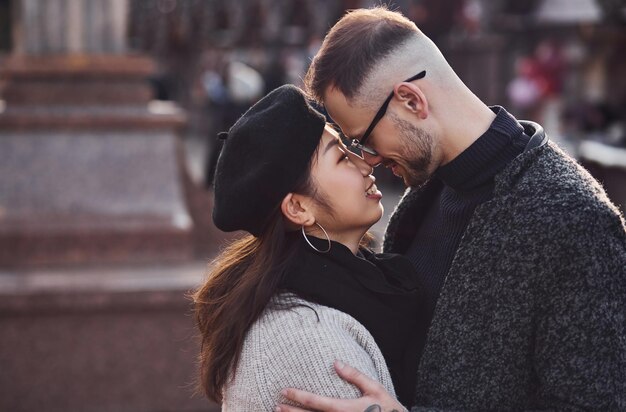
point(377, 216)
point(381, 210)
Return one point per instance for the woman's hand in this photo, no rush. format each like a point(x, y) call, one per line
point(375, 398)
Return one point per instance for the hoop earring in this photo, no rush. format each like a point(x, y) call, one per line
point(310, 244)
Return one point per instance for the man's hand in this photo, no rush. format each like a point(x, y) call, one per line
point(375, 398)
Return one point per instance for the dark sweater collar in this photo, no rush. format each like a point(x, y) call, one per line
point(379, 273)
point(488, 155)
point(379, 290)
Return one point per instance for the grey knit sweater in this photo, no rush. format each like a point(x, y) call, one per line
point(531, 315)
point(296, 348)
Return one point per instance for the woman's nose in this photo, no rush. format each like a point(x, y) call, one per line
point(364, 167)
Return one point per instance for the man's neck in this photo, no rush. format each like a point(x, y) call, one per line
point(464, 125)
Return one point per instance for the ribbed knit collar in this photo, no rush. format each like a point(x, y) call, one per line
point(488, 155)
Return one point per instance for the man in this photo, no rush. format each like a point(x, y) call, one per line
point(521, 254)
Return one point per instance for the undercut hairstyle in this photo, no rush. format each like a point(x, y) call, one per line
point(353, 46)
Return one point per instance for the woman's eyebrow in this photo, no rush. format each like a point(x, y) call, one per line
point(331, 144)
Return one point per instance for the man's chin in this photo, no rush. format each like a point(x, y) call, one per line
point(395, 169)
point(401, 173)
point(414, 181)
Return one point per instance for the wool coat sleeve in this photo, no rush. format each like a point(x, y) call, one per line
point(296, 348)
point(579, 342)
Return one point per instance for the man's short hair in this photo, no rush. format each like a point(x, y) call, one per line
point(353, 46)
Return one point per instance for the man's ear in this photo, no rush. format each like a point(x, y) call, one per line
point(296, 208)
point(413, 98)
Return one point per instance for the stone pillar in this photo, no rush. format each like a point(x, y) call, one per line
point(91, 206)
point(91, 169)
point(70, 26)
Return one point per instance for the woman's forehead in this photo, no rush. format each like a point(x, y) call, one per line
point(328, 135)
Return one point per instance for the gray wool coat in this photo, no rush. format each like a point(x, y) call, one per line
point(532, 312)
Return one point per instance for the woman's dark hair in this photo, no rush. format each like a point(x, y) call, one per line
point(243, 279)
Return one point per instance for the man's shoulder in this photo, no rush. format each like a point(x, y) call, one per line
point(546, 167)
point(549, 181)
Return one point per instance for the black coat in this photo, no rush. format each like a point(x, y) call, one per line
point(532, 311)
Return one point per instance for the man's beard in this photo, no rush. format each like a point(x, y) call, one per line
point(417, 152)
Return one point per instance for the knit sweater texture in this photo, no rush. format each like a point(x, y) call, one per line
point(296, 348)
point(531, 315)
point(467, 181)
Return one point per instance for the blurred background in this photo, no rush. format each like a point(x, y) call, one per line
point(108, 116)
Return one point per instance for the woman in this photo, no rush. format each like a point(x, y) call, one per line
point(300, 291)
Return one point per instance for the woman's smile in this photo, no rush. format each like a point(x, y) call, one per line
point(372, 192)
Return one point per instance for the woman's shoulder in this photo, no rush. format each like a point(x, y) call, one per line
point(290, 324)
point(293, 344)
point(288, 309)
point(305, 319)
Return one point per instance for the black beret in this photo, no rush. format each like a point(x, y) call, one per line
point(264, 155)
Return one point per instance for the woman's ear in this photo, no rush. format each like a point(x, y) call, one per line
point(413, 98)
point(297, 210)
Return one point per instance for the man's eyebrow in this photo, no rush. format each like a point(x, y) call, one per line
point(331, 144)
point(340, 132)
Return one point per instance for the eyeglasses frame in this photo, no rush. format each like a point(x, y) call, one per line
point(360, 143)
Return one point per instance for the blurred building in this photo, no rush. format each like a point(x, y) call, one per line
point(558, 62)
point(108, 114)
point(97, 239)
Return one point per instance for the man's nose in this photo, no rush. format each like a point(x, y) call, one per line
point(371, 160)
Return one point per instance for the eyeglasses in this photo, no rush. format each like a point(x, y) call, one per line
point(360, 144)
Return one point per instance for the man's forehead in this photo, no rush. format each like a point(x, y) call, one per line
point(334, 99)
point(339, 109)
